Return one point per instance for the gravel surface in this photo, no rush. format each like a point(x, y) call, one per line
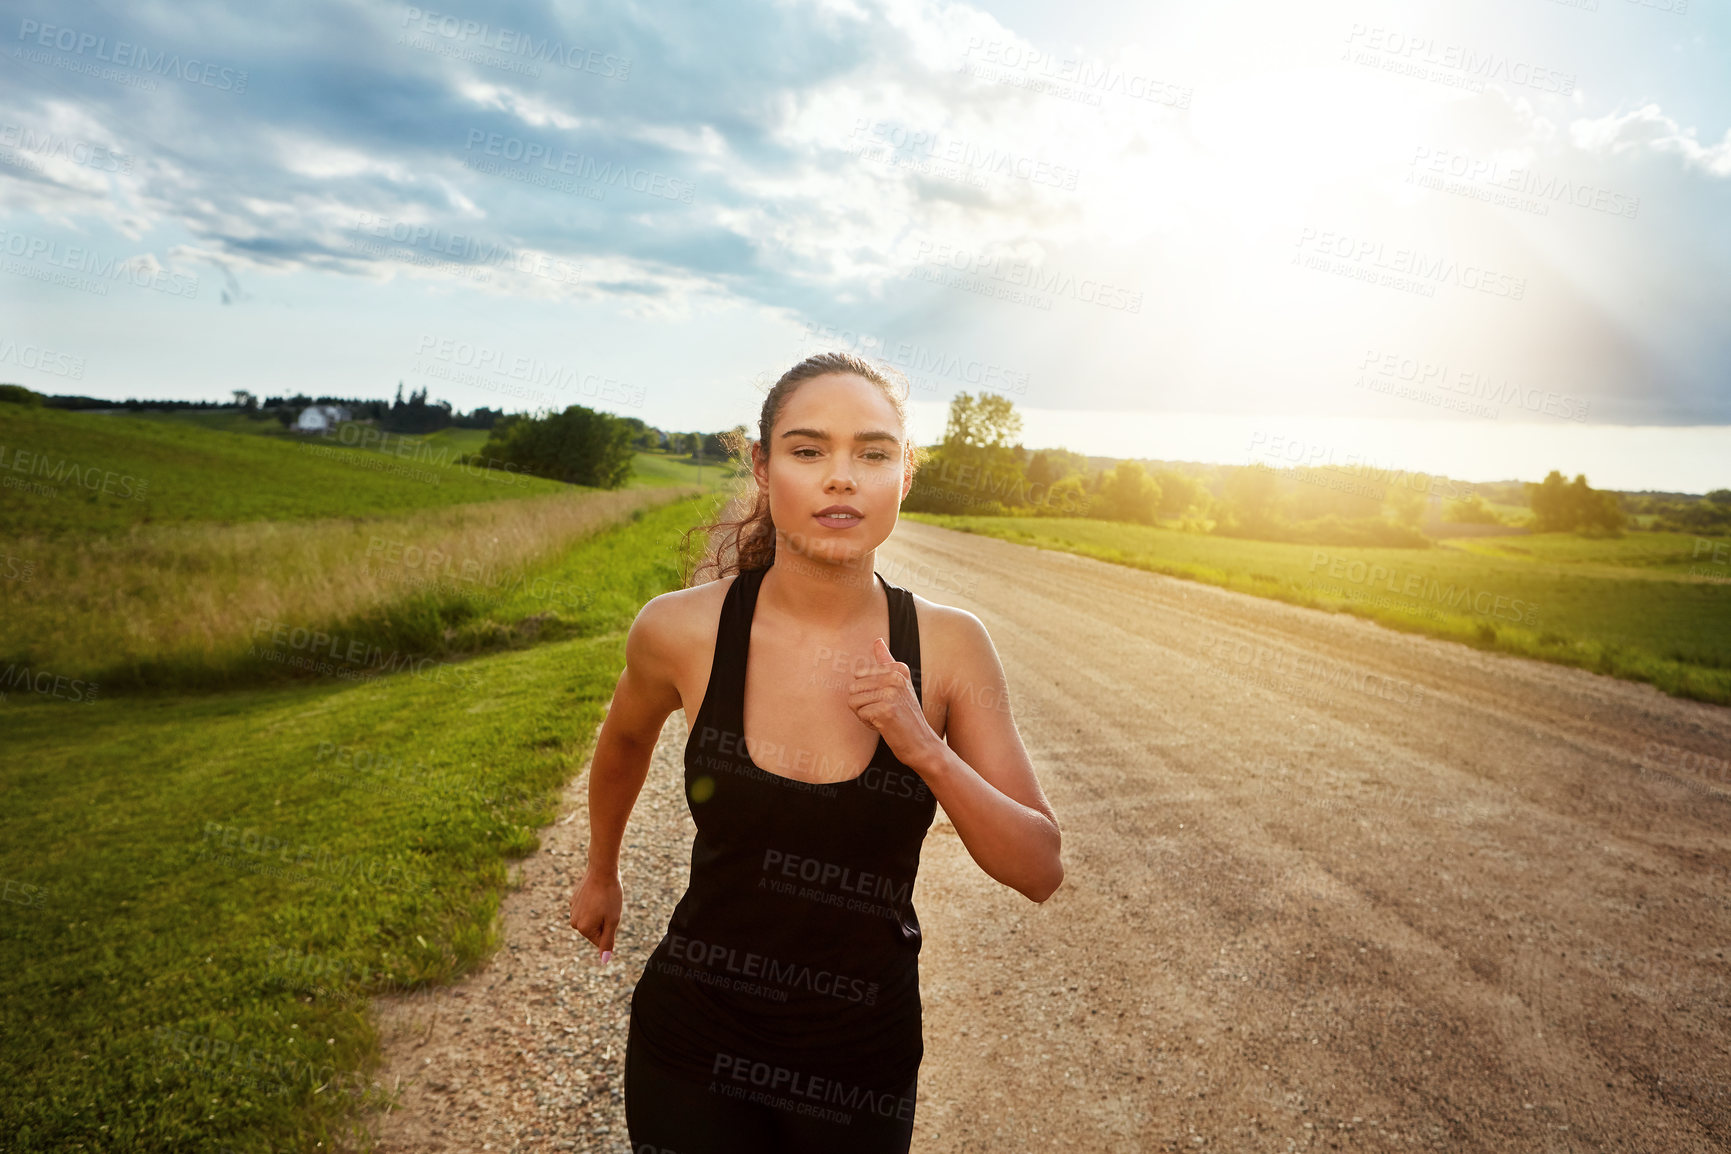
point(1329, 886)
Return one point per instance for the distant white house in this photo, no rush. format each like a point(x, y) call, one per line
point(321, 418)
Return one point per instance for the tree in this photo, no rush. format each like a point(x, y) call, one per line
point(1042, 471)
point(1068, 497)
point(977, 468)
point(1054, 483)
point(579, 446)
point(1562, 507)
point(1470, 510)
point(1252, 499)
point(1179, 493)
point(1596, 510)
point(417, 416)
point(642, 436)
point(986, 421)
point(1128, 493)
point(1406, 504)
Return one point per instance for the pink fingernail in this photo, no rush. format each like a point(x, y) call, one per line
point(606, 956)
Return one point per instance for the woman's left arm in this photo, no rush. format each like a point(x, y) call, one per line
point(982, 775)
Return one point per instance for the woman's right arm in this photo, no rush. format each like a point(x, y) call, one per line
point(647, 692)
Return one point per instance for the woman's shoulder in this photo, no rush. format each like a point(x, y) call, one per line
point(683, 616)
point(946, 626)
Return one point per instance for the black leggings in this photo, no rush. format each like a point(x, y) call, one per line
point(668, 1114)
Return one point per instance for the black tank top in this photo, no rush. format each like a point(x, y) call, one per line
point(796, 941)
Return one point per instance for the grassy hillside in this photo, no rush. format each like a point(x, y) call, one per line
point(71, 472)
point(204, 889)
point(1634, 554)
point(1628, 606)
point(219, 605)
point(274, 539)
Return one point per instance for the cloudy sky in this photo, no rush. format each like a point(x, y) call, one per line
point(1491, 239)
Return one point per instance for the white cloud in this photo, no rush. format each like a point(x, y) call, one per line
point(1649, 127)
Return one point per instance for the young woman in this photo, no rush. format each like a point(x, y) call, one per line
point(830, 714)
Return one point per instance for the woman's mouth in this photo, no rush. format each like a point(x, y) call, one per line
point(839, 516)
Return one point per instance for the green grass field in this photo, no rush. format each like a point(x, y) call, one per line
point(71, 472)
point(185, 983)
point(83, 473)
point(1629, 606)
point(403, 569)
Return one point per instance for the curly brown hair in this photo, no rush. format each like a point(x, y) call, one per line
point(741, 537)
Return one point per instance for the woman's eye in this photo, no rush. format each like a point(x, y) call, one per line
point(801, 453)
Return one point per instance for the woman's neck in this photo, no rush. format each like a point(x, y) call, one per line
point(820, 591)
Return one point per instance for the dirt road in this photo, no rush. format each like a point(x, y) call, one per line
point(1329, 886)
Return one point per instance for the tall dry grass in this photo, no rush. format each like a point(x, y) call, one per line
point(135, 607)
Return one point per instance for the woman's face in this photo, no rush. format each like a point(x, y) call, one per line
point(836, 470)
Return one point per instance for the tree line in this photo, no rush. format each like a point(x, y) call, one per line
point(980, 467)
